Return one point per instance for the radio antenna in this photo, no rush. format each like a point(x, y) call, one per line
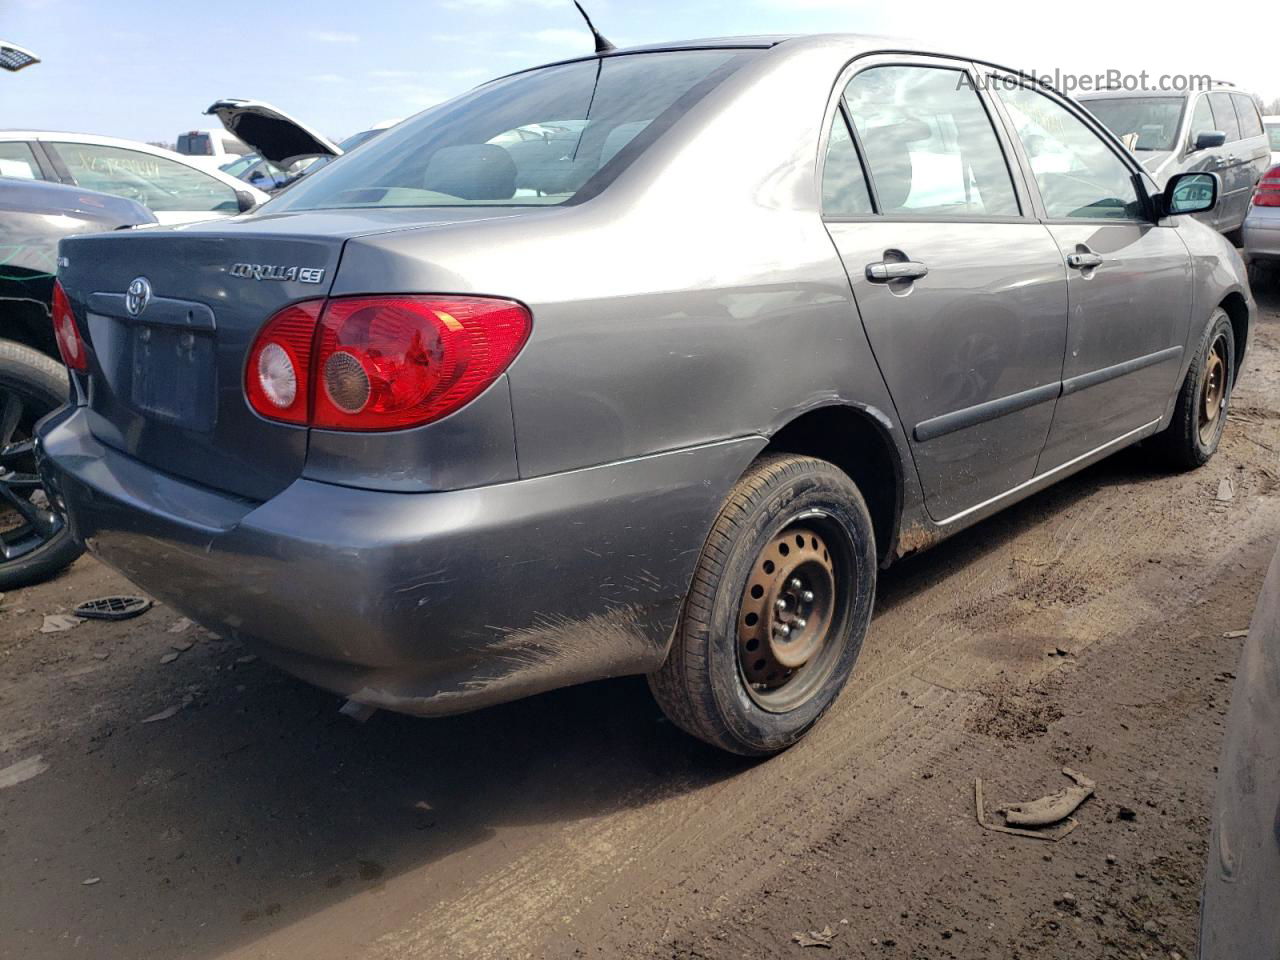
point(602, 44)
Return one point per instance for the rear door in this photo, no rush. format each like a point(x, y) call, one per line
point(1129, 281)
point(962, 293)
point(1233, 164)
point(1254, 148)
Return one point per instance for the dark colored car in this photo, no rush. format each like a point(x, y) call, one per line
point(638, 363)
point(34, 216)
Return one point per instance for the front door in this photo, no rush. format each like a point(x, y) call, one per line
point(1129, 283)
point(962, 293)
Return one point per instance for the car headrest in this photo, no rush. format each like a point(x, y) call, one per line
point(472, 171)
point(619, 137)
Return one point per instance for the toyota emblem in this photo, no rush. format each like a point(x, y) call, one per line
point(137, 296)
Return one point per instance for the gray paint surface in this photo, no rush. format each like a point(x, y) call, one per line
point(546, 533)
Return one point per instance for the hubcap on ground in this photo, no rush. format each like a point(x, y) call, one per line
point(786, 611)
point(1213, 391)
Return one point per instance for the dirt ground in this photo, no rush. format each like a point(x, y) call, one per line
point(1084, 627)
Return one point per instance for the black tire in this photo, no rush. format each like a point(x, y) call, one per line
point(703, 686)
point(1189, 440)
point(40, 385)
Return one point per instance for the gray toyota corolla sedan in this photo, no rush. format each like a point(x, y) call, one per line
point(639, 363)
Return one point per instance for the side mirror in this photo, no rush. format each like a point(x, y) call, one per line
point(245, 201)
point(1190, 193)
point(1209, 138)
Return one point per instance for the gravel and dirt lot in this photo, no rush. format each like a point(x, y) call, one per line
point(1085, 627)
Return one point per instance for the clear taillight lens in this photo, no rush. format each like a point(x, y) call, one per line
point(70, 344)
point(382, 363)
point(277, 376)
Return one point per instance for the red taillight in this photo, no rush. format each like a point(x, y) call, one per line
point(382, 363)
point(277, 379)
point(70, 344)
point(1267, 193)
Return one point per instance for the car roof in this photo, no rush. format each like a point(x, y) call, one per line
point(1134, 94)
point(82, 138)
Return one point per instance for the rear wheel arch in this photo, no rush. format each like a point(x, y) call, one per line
point(857, 440)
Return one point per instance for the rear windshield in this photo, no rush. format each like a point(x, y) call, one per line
point(536, 138)
point(1152, 121)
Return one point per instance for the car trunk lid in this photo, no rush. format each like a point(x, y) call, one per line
point(166, 380)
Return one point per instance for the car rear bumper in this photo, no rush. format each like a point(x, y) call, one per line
point(427, 603)
point(1262, 234)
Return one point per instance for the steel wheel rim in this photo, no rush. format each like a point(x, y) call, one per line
point(27, 521)
point(794, 607)
point(1213, 391)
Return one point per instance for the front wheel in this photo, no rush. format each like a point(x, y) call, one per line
point(35, 541)
point(1200, 414)
point(780, 602)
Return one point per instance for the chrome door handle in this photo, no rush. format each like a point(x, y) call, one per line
point(885, 271)
point(1083, 261)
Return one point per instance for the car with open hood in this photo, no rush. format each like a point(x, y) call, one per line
point(1218, 130)
point(643, 362)
point(282, 142)
point(272, 133)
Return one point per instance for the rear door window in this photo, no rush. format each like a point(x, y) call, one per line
point(1224, 115)
point(156, 182)
point(535, 138)
point(1077, 174)
point(930, 147)
point(844, 185)
point(1247, 114)
point(18, 160)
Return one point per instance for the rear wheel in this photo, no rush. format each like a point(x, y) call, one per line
point(1200, 414)
point(780, 603)
point(35, 542)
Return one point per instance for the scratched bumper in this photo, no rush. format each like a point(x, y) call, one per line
point(427, 603)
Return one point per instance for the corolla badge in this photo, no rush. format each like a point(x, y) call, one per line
point(270, 271)
point(137, 296)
